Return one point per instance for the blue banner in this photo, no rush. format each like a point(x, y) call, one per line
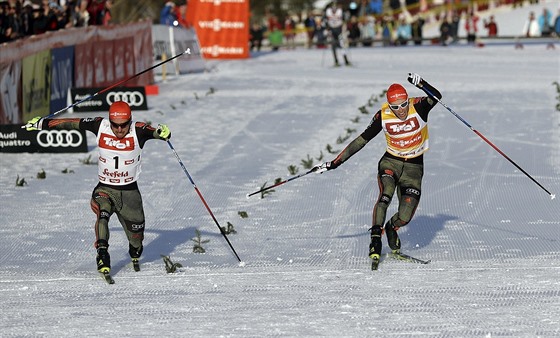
point(62, 76)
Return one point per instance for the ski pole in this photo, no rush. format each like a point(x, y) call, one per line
point(280, 183)
point(203, 200)
point(188, 51)
point(552, 196)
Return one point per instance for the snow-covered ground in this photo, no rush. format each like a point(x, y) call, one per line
point(491, 233)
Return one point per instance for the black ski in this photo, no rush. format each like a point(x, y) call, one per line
point(407, 258)
point(136, 265)
point(107, 277)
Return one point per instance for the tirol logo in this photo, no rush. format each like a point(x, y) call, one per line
point(110, 142)
point(403, 127)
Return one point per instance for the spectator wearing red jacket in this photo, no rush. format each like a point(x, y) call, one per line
point(491, 26)
point(471, 26)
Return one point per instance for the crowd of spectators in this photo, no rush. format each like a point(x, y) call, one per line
point(21, 18)
point(366, 24)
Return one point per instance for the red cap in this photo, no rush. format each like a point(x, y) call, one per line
point(396, 92)
point(119, 110)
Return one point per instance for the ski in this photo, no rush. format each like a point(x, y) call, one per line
point(136, 265)
point(107, 277)
point(407, 258)
point(399, 256)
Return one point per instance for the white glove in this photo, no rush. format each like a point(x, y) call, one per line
point(321, 168)
point(415, 79)
point(34, 124)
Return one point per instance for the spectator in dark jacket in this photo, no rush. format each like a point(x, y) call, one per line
point(417, 28)
point(167, 15)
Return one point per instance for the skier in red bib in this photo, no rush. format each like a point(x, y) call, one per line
point(120, 141)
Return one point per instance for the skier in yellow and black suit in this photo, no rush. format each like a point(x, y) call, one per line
point(404, 122)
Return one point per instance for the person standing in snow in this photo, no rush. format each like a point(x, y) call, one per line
point(120, 141)
point(404, 122)
point(471, 26)
point(335, 21)
point(531, 27)
point(491, 26)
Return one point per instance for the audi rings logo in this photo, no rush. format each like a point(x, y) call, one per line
point(59, 138)
point(134, 98)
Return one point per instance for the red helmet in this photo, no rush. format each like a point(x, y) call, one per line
point(120, 110)
point(396, 92)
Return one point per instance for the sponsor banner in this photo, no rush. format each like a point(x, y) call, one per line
point(142, 57)
point(170, 41)
point(36, 87)
point(123, 51)
point(62, 76)
point(10, 92)
point(83, 65)
point(134, 96)
point(14, 139)
point(27, 71)
point(102, 63)
point(222, 27)
point(103, 70)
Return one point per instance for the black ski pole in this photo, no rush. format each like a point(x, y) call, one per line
point(188, 51)
point(280, 183)
point(204, 201)
point(552, 196)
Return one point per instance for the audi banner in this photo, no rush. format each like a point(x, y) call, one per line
point(134, 96)
point(14, 139)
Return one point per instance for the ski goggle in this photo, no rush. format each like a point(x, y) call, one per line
point(397, 106)
point(121, 125)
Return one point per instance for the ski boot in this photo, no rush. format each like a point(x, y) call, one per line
point(346, 62)
point(375, 246)
point(103, 260)
point(392, 237)
point(135, 256)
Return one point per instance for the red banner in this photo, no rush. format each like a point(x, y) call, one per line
point(222, 27)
